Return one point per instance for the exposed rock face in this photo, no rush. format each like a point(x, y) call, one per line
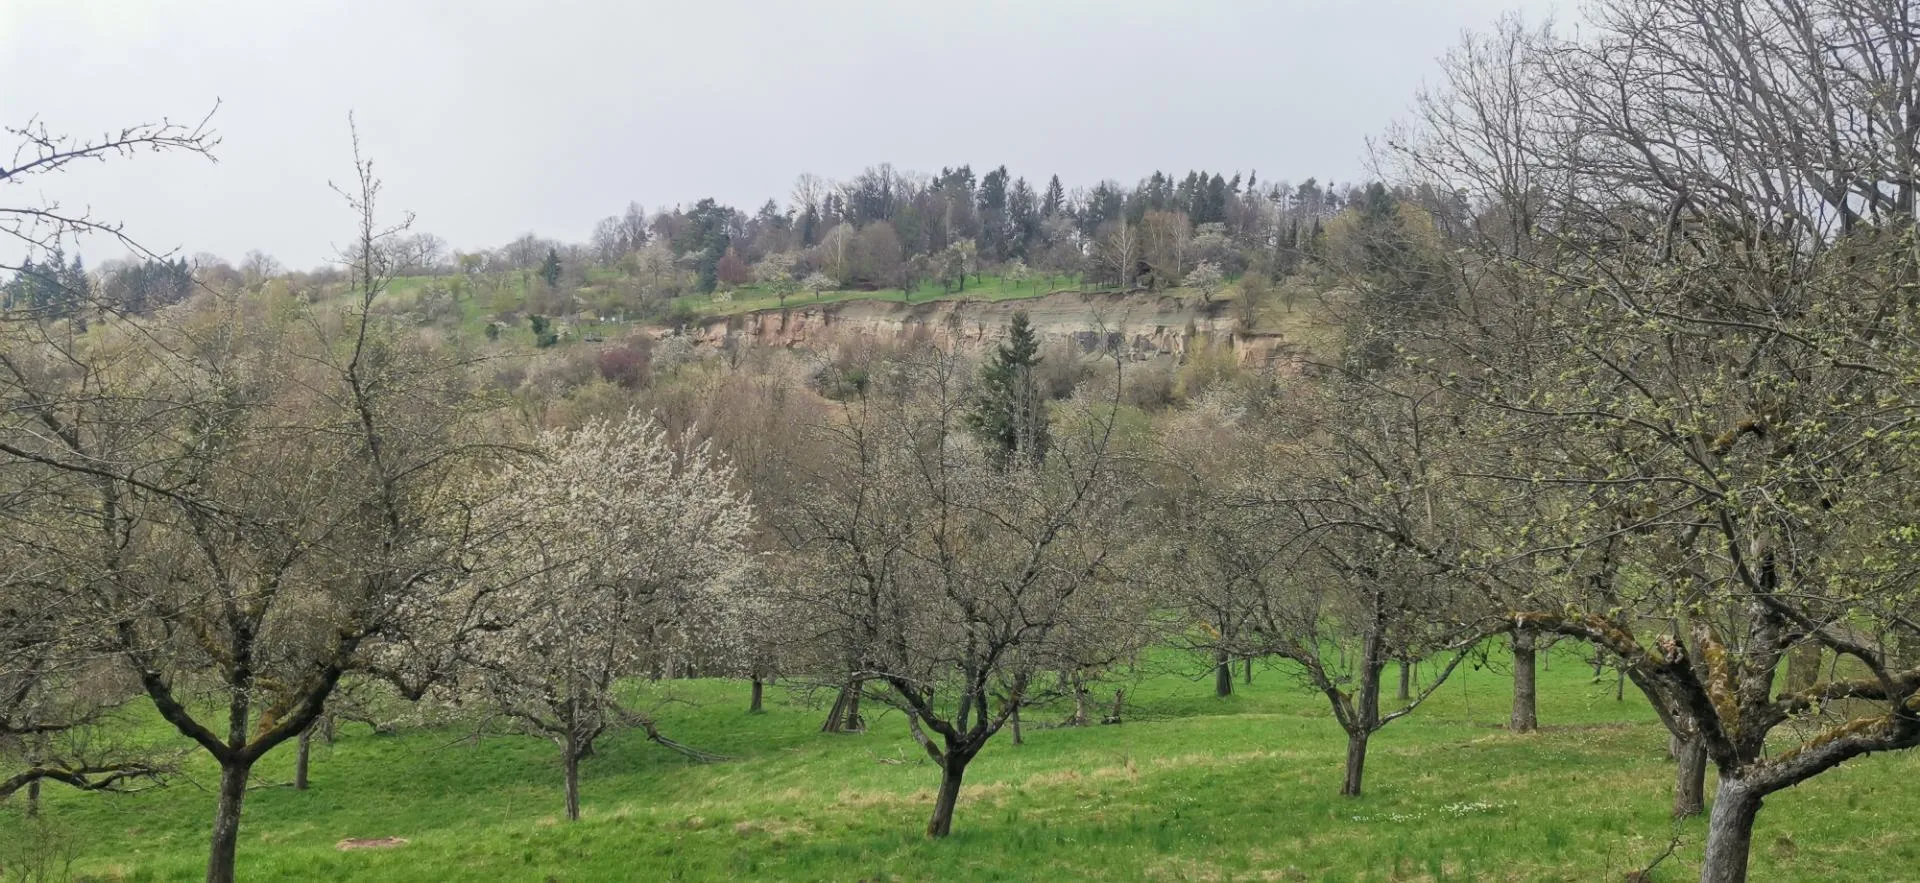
point(1139, 325)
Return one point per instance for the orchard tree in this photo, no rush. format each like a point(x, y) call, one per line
point(1318, 526)
point(263, 499)
point(819, 283)
point(1205, 279)
point(952, 582)
point(619, 549)
point(775, 271)
point(1700, 307)
point(1017, 273)
point(56, 699)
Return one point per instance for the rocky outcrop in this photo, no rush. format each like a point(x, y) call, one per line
point(1139, 325)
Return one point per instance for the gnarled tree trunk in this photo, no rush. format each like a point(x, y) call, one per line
point(753, 705)
point(1406, 681)
point(1690, 777)
point(1729, 833)
point(1222, 673)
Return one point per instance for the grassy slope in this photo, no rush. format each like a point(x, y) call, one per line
point(1307, 324)
point(753, 297)
point(750, 298)
point(1191, 787)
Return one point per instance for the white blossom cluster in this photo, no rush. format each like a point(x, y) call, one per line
point(624, 552)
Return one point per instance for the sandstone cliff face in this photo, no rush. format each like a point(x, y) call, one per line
point(1139, 325)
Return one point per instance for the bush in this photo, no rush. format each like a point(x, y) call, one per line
point(627, 365)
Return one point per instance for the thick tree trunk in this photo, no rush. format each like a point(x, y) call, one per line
point(1222, 673)
point(1690, 778)
point(753, 705)
point(1014, 719)
point(1525, 717)
point(1079, 718)
point(301, 757)
point(226, 822)
point(950, 774)
point(1729, 834)
point(1249, 679)
point(1405, 692)
point(33, 798)
point(1356, 764)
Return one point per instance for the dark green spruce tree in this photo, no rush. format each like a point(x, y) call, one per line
point(550, 269)
point(1010, 415)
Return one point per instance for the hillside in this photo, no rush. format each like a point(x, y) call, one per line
point(1142, 324)
point(1190, 787)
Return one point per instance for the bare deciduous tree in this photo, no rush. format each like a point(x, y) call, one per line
point(1690, 284)
point(946, 579)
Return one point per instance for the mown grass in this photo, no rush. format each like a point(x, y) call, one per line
point(1190, 788)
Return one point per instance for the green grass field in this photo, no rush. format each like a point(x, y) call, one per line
point(1190, 788)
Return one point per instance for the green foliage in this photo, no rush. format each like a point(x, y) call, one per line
point(543, 336)
point(1010, 415)
point(53, 288)
point(705, 238)
point(550, 269)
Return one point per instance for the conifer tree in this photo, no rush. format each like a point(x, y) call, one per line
point(1010, 416)
point(1055, 201)
point(550, 269)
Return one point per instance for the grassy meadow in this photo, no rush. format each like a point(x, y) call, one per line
point(1190, 787)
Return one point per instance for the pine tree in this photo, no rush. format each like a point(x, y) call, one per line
point(19, 291)
point(550, 269)
point(1010, 415)
point(75, 293)
point(1056, 199)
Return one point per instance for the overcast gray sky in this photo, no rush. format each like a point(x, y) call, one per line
point(489, 119)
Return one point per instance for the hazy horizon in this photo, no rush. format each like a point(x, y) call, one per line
point(489, 120)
